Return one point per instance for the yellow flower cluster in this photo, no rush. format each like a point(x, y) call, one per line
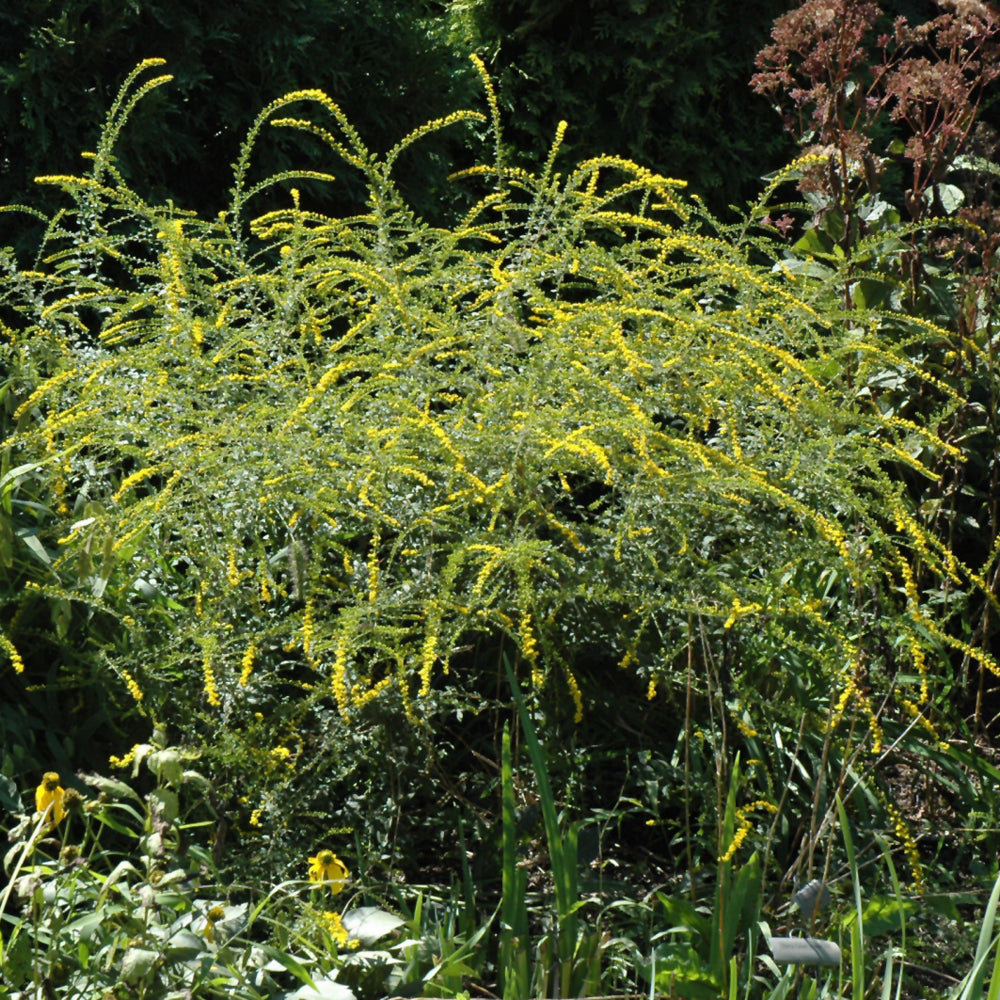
point(491, 96)
point(338, 675)
point(529, 650)
point(373, 569)
point(741, 610)
point(575, 694)
point(428, 658)
point(249, 656)
point(910, 847)
point(308, 627)
point(123, 762)
point(334, 926)
point(136, 477)
point(232, 570)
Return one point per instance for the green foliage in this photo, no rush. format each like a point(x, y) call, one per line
point(565, 960)
point(881, 150)
point(302, 480)
point(51, 713)
point(300, 477)
point(664, 86)
point(120, 896)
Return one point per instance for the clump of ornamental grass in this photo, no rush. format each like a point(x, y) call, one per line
point(303, 461)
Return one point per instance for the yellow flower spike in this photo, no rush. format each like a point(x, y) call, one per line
point(745, 826)
point(247, 664)
point(211, 691)
point(574, 690)
point(428, 657)
point(49, 797)
point(308, 628)
point(133, 686)
point(121, 762)
point(232, 570)
point(15, 657)
point(327, 869)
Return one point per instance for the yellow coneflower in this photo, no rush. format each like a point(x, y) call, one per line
point(329, 870)
point(214, 915)
point(49, 797)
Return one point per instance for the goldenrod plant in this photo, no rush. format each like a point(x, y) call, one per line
point(311, 478)
point(301, 460)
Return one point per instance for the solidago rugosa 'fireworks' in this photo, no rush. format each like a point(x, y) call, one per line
point(315, 453)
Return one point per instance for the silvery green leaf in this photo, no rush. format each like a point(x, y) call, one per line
point(367, 959)
point(184, 945)
point(164, 802)
point(137, 963)
point(167, 765)
point(963, 162)
point(116, 789)
point(197, 779)
point(8, 790)
point(368, 923)
point(37, 549)
point(326, 989)
point(146, 588)
point(874, 209)
point(84, 927)
point(120, 870)
point(233, 922)
point(171, 878)
point(152, 845)
point(950, 196)
point(21, 470)
point(259, 959)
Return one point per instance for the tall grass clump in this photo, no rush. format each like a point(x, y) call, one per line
point(301, 468)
